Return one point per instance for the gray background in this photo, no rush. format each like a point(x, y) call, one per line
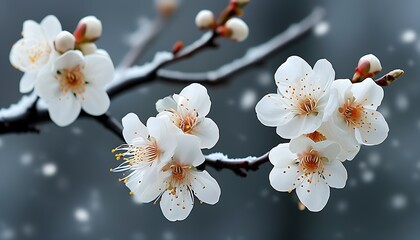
point(381, 199)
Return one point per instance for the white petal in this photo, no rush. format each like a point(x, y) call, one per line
point(29, 55)
point(328, 149)
point(342, 86)
point(374, 129)
point(133, 128)
point(47, 87)
point(207, 131)
point(167, 103)
point(163, 131)
point(335, 174)
point(196, 99)
point(133, 182)
point(301, 144)
point(64, 109)
point(294, 69)
point(95, 100)
point(272, 111)
point(300, 124)
point(69, 60)
point(280, 156)
point(32, 30)
point(205, 187)
point(284, 178)
point(328, 104)
point(99, 70)
point(188, 150)
point(368, 93)
point(27, 82)
point(150, 186)
point(51, 26)
point(177, 207)
point(325, 73)
point(314, 194)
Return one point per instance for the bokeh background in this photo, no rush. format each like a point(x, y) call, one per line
point(57, 185)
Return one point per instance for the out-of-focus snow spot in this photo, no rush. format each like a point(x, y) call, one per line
point(374, 159)
point(321, 28)
point(399, 201)
point(81, 215)
point(26, 159)
point(265, 79)
point(49, 169)
point(168, 235)
point(76, 131)
point(401, 102)
point(408, 36)
point(342, 206)
point(385, 111)
point(367, 176)
point(248, 99)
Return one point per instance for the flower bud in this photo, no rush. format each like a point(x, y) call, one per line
point(205, 19)
point(87, 48)
point(89, 29)
point(166, 7)
point(368, 66)
point(64, 42)
point(239, 29)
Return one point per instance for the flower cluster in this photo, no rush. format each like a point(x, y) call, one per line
point(326, 120)
point(163, 155)
point(66, 70)
point(228, 25)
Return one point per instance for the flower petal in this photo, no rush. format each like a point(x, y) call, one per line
point(374, 129)
point(294, 69)
point(327, 149)
point(196, 98)
point(205, 187)
point(272, 111)
point(177, 206)
point(51, 26)
point(99, 70)
point(280, 156)
point(29, 55)
point(284, 178)
point(95, 100)
point(64, 109)
point(32, 30)
point(150, 186)
point(300, 124)
point(188, 150)
point(314, 194)
point(335, 174)
point(69, 60)
point(324, 73)
point(300, 144)
point(27, 82)
point(164, 132)
point(207, 131)
point(167, 103)
point(368, 93)
point(133, 128)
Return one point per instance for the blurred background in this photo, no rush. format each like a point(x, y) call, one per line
point(57, 185)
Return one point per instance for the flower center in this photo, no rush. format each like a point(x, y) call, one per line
point(134, 155)
point(72, 79)
point(178, 172)
point(352, 112)
point(187, 123)
point(310, 162)
point(307, 106)
point(316, 136)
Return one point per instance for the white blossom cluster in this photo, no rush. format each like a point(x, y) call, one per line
point(66, 70)
point(162, 155)
point(327, 120)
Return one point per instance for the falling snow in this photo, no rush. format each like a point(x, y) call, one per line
point(399, 201)
point(49, 169)
point(321, 29)
point(408, 36)
point(248, 99)
point(401, 102)
point(81, 215)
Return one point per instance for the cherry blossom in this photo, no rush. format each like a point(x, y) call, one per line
point(145, 147)
point(75, 82)
point(188, 112)
point(303, 100)
point(356, 115)
point(310, 168)
point(35, 50)
point(177, 181)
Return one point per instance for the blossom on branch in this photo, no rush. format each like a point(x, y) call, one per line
point(177, 181)
point(356, 114)
point(188, 111)
point(75, 82)
point(35, 50)
point(310, 168)
point(303, 100)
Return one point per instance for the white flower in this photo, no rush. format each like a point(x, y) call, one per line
point(188, 112)
point(349, 146)
point(73, 83)
point(310, 168)
point(146, 147)
point(177, 181)
point(303, 100)
point(356, 114)
point(239, 29)
point(204, 19)
point(35, 50)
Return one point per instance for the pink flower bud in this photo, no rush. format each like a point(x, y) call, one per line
point(368, 66)
point(89, 29)
point(239, 29)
